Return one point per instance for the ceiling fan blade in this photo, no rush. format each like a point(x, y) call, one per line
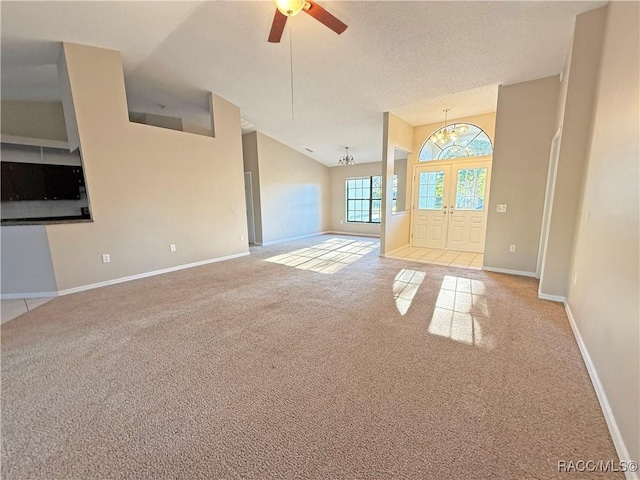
point(324, 17)
point(277, 27)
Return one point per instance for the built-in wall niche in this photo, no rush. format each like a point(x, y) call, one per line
point(42, 185)
point(399, 180)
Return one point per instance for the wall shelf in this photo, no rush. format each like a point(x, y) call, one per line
point(34, 142)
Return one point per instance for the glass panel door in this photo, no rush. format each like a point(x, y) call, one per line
point(431, 190)
point(471, 188)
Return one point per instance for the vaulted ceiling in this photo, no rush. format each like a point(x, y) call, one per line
point(410, 58)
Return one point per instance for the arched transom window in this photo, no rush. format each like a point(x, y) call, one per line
point(456, 140)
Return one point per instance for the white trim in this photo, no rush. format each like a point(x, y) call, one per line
point(290, 239)
point(149, 274)
point(34, 142)
point(510, 272)
point(618, 441)
point(8, 296)
point(553, 298)
point(20, 296)
point(549, 195)
point(335, 232)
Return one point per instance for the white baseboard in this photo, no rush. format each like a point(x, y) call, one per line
point(290, 239)
point(553, 298)
point(82, 288)
point(353, 234)
point(20, 296)
point(618, 441)
point(510, 272)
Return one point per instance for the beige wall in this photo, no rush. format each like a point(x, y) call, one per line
point(294, 192)
point(576, 117)
point(395, 229)
point(339, 175)
point(250, 161)
point(42, 120)
point(524, 127)
point(196, 128)
point(26, 261)
point(604, 299)
point(148, 186)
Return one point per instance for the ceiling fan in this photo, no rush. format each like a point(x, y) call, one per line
point(289, 8)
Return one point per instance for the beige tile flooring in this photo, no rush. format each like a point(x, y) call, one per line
point(11, 309)
point(453, 258)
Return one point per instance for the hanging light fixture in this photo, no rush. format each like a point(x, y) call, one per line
point(446, 135)
point(289, 8)
point(346, 159)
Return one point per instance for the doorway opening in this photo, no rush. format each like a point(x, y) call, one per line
point(248, 197)
point(450, 197)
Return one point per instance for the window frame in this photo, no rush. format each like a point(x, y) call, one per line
point(453, 124)
point(370, 199)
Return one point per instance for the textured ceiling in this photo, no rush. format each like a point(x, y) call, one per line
point(410, 58)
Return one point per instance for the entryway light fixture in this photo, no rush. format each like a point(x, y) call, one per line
point(446, 135)
point(346, 159)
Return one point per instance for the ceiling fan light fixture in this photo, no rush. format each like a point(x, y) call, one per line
point(289, 7)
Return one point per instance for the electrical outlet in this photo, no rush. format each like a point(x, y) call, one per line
point(106, 258)
point(512, 248)
point(172, 247)
point(501, 208)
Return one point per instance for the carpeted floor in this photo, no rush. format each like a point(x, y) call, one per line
point(254, 369)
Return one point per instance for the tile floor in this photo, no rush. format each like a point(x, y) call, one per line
point(453, 258)
point(14, 308)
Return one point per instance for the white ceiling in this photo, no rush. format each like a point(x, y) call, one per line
point(410, 58)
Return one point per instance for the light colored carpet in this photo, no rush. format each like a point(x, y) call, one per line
point(253, 369)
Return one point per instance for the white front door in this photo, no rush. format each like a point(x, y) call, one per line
point(467, 207)
point(429, 222)
point(450, 208)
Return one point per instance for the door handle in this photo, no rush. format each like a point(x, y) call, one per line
point(451, 211)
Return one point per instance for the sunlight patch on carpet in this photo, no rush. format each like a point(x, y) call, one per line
point(327, 257)
point(405, 286)
point(460, 311)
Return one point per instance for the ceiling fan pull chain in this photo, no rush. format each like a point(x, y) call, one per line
point(291, 63)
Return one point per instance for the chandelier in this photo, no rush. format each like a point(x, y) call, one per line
point(346, 159)
point(445, 134)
